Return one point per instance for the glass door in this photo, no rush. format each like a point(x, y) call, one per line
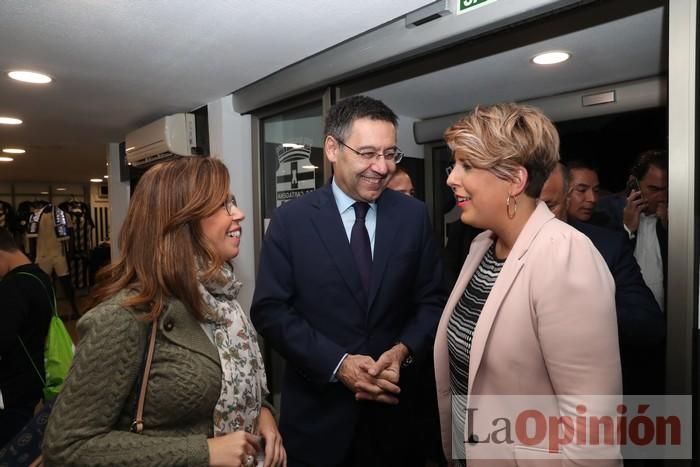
point(292, 155)
point(288, 163)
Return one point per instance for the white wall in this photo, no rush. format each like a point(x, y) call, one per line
point(119, 195)
point(682, 223)
point(405, 138)
point(230, 140)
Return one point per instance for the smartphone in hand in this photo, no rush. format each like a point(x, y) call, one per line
point(633, 185)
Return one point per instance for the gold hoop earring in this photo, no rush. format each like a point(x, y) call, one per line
point(515, 206)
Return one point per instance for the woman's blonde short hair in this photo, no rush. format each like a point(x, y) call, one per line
point(503, 137)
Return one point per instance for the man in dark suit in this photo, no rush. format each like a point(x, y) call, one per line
point(640, 322)
point(349, 291)
point(642, 213)
point(584, 190)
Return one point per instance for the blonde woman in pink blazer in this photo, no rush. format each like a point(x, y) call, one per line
point(533, 311)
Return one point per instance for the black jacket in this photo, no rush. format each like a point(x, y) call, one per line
point(25, 311)
point(641, 325)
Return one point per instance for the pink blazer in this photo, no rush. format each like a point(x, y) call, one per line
point(547, 328)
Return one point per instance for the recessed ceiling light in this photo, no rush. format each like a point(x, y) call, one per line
point(105, 176)
point(29, 77)
point(552, 57)
point(13, 151)
point(6, 159)
point(10, 121)
point(60, 189)
point(96, 180)
point(44, 193)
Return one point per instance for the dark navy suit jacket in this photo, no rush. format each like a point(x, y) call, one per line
point(310, 305)
point(609, 214)
point(640, 322)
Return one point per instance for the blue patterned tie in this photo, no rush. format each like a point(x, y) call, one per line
point(359, 243)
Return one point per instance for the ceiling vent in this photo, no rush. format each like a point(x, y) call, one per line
point(605, 97)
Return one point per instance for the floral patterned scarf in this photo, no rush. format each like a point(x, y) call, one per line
point(243, 380)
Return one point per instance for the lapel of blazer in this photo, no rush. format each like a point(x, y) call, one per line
point(179, 326)
point(477, 250)
point(509, 272)
point(329, 225)
point(386, 229)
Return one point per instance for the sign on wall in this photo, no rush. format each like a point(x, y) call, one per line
point(296, 174)
point(469, 5)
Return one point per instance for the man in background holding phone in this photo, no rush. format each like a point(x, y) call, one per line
point(640, 322)
point(643, 214)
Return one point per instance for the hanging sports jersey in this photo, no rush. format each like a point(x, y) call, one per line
point(60, 222)
point(80, 230)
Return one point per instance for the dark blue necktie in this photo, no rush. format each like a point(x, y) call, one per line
point(359, 243)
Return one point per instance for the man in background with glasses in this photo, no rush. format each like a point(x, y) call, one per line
point(349, 292)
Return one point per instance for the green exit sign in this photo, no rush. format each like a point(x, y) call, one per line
point(468, 5)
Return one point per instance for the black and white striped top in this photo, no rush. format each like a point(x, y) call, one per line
point(460, 330)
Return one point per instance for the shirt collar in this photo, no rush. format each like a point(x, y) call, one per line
point(342, 200)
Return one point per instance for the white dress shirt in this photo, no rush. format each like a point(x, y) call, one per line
point(648, 254)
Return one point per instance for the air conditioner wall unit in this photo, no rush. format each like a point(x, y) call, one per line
point(173, 135)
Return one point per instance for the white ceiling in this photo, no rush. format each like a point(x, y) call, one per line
point(621, 50)
point(119, 64)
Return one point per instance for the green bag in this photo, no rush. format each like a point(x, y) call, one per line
point(58, 351)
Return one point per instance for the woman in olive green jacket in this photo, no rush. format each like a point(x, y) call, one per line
point(204, 402)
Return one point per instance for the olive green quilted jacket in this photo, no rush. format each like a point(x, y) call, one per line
point(89, 425)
